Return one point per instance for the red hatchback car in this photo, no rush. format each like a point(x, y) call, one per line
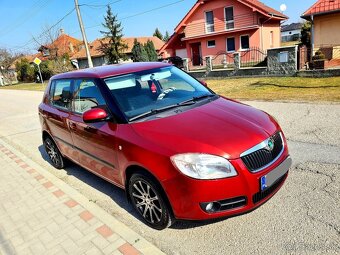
point(179, 150)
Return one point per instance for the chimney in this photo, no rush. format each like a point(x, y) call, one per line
point(71, 47)
point(62, 31)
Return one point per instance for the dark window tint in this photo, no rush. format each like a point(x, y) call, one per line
point(245, 42)
point(61, 93)
point(209, 20)
point(86, 96)
point(211, 44)
point(231, 44)
point(229, 17)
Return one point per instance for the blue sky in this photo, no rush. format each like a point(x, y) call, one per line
point(20, 20)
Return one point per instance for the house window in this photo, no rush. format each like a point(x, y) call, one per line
point(245, 42)
point(229, 17)
point(209, 22)
point(231, 44)
point(46, 52)
point(271, 39)
point(211, 44)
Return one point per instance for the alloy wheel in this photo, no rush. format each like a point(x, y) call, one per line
point(54, 153)
point(149, 202)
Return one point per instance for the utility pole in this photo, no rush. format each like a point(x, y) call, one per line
point(89, 60)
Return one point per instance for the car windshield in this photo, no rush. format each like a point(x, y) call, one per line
point(151, 91)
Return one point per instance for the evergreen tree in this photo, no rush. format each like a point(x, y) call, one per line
point(139, 54)
point(306, 34)
point(114, 46)
point(151, 51)
point(158, 34)
point(166, 36)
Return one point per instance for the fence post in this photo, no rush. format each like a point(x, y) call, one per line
point(208, 63)
point(237, 62)
point(186, 64)
point(224, 61)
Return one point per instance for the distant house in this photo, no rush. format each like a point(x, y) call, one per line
point(213, 26)
point(61, 46)
point(325, 18)
point(98, 57)
point(291, 32)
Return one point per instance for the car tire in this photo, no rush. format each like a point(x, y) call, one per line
point(57, 159)
point(149, 202)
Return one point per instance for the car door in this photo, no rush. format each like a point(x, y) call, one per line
point(95, 142)
point(57, 113)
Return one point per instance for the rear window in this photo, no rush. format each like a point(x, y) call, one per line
point(60, 94)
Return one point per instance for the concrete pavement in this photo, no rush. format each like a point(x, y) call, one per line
point(39, 214)
point(302, 218)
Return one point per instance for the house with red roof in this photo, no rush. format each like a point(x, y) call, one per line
point(61, 46)
point(214, 26)
point(98, 57)
point(325, 18)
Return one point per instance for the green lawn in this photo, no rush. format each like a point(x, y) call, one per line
point(26, 86)
point(279, 88)
point(268, 88)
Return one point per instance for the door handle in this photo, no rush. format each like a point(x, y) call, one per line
point(89, 129)
point(73, 126)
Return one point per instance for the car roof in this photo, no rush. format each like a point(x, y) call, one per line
point(110, 70)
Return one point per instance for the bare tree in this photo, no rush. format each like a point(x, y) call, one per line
point(7, 58)
point(58, 60)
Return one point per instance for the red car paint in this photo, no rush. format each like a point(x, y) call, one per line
point(222, 127)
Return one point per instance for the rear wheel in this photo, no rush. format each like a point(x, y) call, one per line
point(149, 202)
point(57, 159)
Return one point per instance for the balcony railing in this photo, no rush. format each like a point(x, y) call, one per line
point(197, 29)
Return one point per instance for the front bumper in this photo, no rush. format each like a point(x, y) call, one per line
point(231, 196)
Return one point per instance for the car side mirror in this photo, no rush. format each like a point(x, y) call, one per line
point(95, 115)
point(204, 83)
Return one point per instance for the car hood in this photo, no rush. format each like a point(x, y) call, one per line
point(222, 127)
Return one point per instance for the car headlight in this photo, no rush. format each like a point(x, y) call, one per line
point(203, 166)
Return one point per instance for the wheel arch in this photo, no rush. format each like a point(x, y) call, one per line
point(135, 169)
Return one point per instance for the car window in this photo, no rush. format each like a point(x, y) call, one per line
point(86, 96)
point(153, 89)
point(61, 94)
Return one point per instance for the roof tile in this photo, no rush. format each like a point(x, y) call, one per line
point(322, 6)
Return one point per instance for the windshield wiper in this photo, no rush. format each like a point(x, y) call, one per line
point(195, 99)
point(163, 109)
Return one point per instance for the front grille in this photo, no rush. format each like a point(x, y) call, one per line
point(263, 194)
point(263, 156)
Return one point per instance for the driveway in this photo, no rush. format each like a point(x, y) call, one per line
point(302, 218)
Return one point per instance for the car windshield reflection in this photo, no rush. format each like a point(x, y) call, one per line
point(149, 92)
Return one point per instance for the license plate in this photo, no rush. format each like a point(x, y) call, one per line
point(269, 179)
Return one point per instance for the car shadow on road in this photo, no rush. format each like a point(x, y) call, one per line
point(116, 194)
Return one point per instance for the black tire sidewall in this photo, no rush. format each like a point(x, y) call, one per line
point(60, 156)
point(166, 218)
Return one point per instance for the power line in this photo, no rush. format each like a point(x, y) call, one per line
point(34, 10)
point(47, 30)
point(141, 13)
point(151, 10)
point(99, 6)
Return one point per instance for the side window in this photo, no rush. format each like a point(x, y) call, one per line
point(86, 96)
point(60, 94)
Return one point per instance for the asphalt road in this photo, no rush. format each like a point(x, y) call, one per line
point(302, 218)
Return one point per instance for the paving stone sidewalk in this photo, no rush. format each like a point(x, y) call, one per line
point(40, 214)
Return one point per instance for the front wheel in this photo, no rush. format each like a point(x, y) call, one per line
point(57, 159)
point(149, 202)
